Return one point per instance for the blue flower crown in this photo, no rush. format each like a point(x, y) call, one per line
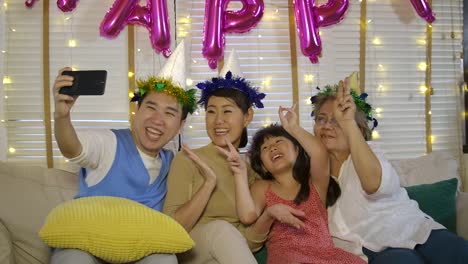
point(230, 82)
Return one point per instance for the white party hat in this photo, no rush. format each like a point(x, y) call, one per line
point(232, 64)
point(170, 80)
point(174, 68)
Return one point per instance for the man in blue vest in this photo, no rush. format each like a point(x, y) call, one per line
point(129, 163)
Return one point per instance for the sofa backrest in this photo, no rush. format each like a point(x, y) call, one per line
point(27, 194)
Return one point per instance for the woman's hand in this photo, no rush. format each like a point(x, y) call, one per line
point(344, 108)
point(206, 171)
point(287, 215)
point(236, 162)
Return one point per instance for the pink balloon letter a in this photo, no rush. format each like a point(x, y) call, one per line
point(153, 16)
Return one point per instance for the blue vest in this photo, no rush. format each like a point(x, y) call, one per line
point(128, 177)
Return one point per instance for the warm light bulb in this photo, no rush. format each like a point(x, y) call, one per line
point(7, 80)
point(308, 102)
point(308, 78)
point(430, 112)
point(133, 113)
point(138, 50)
point(259, 35)
point(190, 126)
point(432, 139)
point(6, 96)
point(369, 21)
point(12, 150)
point(422, 66)
point(422, 41)
point(71, 43)
point(131, 74)
point(131, 94)
point(3, 120)
point(423, 88)
point(375, 134)
point(320, 33)
point(376, 41)
point(378, 110)
point(3, 51)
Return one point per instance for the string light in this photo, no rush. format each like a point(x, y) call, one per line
point(376, 41)
point(71, 43)
point(12, 150)
point(375, 134)
point(433, 138)
point(7, 80)
point(131, 74)
point(423, 88)
point(189, 82)
point(422, 66)
point(308, 78)
point(131, 94)
point(378, 110)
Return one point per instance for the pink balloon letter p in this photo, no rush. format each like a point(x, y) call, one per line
point(219, 21)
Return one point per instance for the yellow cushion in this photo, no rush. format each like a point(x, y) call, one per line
point(117, 230)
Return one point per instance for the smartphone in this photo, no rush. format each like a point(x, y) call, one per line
point(86, 83)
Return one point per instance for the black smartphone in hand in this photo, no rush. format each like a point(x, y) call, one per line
point(86, 83)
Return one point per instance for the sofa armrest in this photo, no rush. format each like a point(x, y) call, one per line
point(6, 248)
point(462, 214)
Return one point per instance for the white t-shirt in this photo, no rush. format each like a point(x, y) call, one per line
point(98, 153)
point(386, 218)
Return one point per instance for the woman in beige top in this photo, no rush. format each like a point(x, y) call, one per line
point(205, 184)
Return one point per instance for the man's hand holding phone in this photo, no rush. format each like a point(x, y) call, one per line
point(63, 102)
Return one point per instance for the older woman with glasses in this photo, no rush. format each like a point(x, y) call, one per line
point(374, 216)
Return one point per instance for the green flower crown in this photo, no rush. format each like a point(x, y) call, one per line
point(359, 100)
point(163, 85)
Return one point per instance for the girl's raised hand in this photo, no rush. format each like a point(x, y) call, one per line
point(205, 170)
point(236, 162)
point(287, 215)
point(289, 120)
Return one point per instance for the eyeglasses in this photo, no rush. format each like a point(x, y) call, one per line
point(322, 121)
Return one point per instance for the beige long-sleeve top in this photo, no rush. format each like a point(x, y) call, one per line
point(185, 179)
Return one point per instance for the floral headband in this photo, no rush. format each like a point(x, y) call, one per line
point(163, 85)
point(230, 82)
point(359, 100)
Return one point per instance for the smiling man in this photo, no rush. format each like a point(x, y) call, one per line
point(129, 163)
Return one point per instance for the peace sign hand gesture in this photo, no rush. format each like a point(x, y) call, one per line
point(236, 162)
point(344, 108)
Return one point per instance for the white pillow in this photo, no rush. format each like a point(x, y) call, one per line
point(430, 168)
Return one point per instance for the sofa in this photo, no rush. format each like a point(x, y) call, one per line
point(28, 193)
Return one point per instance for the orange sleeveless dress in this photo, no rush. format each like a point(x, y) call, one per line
point(311, 244)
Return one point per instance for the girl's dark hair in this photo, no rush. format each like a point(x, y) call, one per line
point(241, 100)
point(301, 168)
point(333, 192)
point(185, 109)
